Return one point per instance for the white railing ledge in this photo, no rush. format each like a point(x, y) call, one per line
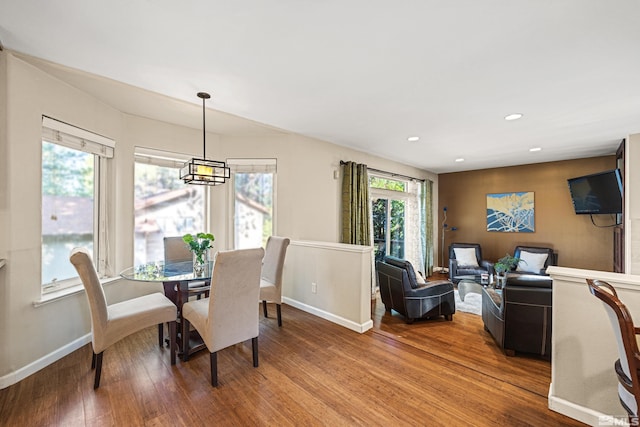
point(333, 245)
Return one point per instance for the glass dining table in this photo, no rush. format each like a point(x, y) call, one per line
point(179, 283)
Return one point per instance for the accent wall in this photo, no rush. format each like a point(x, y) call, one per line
point(578, 241)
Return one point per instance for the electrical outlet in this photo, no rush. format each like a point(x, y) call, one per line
point(314, 288)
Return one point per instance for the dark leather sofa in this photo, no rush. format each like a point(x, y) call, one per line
point(519, 318)
point(400, 291)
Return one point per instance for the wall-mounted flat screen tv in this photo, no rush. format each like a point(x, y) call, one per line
point(599, 193)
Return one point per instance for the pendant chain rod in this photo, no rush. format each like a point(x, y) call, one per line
point(204, 133)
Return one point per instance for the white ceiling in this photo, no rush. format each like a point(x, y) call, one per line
point(365, 73)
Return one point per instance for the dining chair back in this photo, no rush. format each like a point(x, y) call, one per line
point(229, 315)
point(111, 323)
point(176, 250)
point(271, 274)
point(627, 366)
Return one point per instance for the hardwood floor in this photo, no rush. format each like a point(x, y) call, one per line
point(312, 372)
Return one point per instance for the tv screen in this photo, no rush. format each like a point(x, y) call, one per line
point(600, 193)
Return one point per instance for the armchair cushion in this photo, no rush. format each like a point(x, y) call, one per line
point(466, 257)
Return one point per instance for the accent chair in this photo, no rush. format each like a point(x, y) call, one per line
point(465, 259)
point(404, 291)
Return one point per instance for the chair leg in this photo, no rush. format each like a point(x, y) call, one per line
point(264, 308)
point(254, 347)
point(93, 360)
point(279, 314)
point(185, 339)
point(214, 368)
point(172, 341)
point(160, 334)
point(98, 357)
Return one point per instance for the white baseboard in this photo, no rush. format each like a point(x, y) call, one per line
point(349, 324)
point(33, 367)
point(579, 412)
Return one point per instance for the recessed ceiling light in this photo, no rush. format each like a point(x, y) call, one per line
point(459, 159)
point(514, 116)
point(534, 149)
point(413, 138)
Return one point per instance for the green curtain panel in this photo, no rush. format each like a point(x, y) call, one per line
point(355, 204)
point(426, 211)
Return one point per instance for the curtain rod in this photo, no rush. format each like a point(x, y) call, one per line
point(342, 162)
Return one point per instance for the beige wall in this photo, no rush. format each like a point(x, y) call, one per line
point(307, 201)
point(577, 241)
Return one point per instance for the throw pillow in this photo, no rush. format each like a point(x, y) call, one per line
point(419, 279)
point(531, 262)
point(466, 257)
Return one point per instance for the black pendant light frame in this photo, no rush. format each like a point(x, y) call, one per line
point(201, 171)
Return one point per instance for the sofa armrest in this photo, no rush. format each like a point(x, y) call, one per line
point(488, 265)
point(431, 288)
point(453, 268)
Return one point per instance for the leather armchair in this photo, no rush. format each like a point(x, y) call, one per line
point(519, 317)
point(400, 291)
point(458, 268)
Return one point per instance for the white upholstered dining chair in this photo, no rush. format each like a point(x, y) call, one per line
point(229, 315)
point(271, 274)
point(176, 250)
point(111, 323)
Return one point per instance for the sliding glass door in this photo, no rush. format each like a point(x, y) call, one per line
point(388, 226)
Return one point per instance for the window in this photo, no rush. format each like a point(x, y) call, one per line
point(396, 219)
point(253, 201)
point(164, 205)
point(74, 163)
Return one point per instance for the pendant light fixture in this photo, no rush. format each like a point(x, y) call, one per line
point(203, 171)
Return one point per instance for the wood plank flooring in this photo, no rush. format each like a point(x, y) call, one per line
point(312, 372)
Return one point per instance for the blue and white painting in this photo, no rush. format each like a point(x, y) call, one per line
point(510, 212)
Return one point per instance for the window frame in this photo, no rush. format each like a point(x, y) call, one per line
point(175, 161)
point(250, 165)
point(102, 149)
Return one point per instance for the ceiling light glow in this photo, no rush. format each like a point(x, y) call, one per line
point(534, 149)
point(514, 116)
point(459, 159)
point(413, 138)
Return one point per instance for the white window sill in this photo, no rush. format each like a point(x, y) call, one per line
point(71, 290)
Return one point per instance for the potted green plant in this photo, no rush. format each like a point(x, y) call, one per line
point(199, 244)
point(504, 264)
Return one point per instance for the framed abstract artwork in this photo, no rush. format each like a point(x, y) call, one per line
point(511, 212)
